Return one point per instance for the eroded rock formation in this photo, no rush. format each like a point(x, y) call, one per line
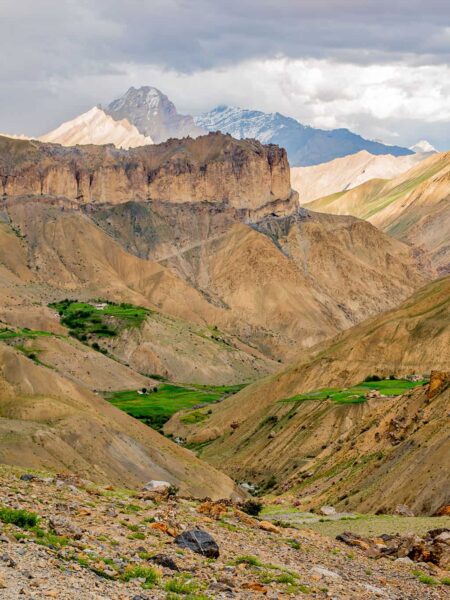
point(213, 168)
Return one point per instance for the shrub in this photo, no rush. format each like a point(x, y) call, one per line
point(373, 378)
point(252, 507)
point(21, 518)
point(147, 573)
point(180, 585)
point(271, 482)
point(248, 560)
point(173, 490)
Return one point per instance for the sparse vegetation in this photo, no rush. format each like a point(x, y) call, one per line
point(182, 585)
point(424, 578)
point(248, 560)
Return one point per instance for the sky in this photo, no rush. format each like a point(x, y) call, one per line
point(380, 68)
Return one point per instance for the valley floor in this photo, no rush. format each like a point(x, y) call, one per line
point(98, 543)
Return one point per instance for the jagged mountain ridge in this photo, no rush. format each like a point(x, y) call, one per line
point(214, 168)
point(305, 145)
point(153, 114)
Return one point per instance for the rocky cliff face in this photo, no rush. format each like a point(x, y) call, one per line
point(212, 168)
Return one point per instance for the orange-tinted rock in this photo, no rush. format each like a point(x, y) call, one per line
point(268, 526)
point(438, 380)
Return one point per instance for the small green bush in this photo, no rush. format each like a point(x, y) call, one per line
point(147, 573)
point(426, 579)
point(21, 518)
point(248, 560)
point(181, 585)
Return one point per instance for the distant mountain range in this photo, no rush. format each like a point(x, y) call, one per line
point(145, 115)
point(305, 145)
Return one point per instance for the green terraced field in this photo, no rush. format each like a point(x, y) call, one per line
point(155, 408)
point(22, 332)
point(356, 394)
point(85, 320)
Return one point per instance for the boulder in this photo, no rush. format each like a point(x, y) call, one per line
point(162, 560)
point(156, 486)
point(198, 541)
point(403, 510)
point(444, 511)
point(215, 510)
point(327, 510)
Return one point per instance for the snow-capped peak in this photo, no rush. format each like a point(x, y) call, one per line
point(422, 147)
point(153, 114)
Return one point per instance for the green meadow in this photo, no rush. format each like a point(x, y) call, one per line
point(85, 320)
point(156, 407)
point(356, 394)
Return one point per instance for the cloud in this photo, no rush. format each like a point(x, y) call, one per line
point(357, 63)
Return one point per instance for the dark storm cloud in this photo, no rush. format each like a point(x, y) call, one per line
point(49, 36)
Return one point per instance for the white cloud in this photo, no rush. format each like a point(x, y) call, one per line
point(393, 102)
point(366, 98)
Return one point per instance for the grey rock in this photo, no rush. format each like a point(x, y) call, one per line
point(198, 541)
point(327, 510)
point(156, 486)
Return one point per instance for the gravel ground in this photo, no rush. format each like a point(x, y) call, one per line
point(102, 536)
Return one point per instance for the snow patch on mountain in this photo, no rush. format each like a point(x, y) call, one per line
point(422, 147)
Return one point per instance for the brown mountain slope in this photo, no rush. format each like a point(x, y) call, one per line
point(81, 364)
point(413, 338)
point(49, 422)
point(413, 207)
point(63, 254)
point(291, 279)
point(279, 284)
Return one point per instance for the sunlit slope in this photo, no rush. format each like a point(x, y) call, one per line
point(415, 338)
point(49, 422)
point(413, 207)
